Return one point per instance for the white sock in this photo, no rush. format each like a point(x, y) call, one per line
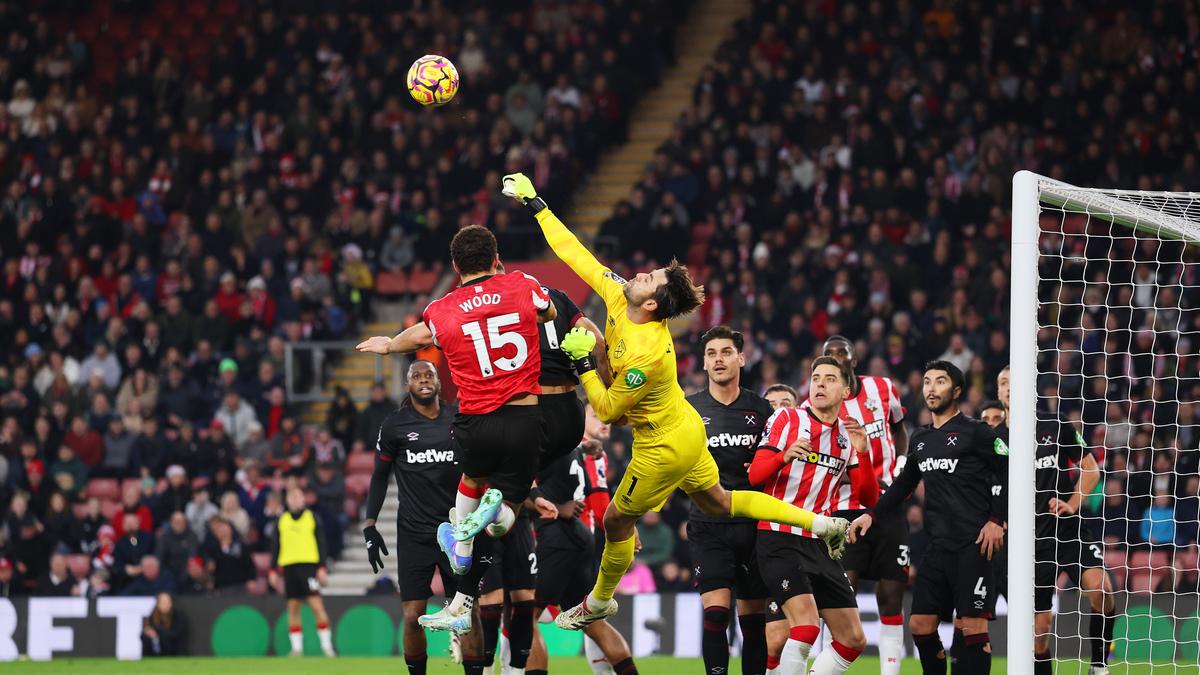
point(891, 649)
point(595, 603)
point(596, 658)
point(772, 671)
point(487, 670)
point(830, 662)
point(461, 603)
point(463, 507)
point(794, 659)
point(503, 653)
point(505, 518)
point(297, 639)
point(326, 637)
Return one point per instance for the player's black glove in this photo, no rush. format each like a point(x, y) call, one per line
point(375, 545)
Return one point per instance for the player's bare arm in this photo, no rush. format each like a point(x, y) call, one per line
point(1089, 476)
point(415, 337)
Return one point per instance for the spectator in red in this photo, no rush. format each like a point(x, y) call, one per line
point(132, 505)
point(85, 442)
point(229, 298)
point(261, 302)
point(273, 410)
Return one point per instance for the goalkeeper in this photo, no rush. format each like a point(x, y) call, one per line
point(669, 440)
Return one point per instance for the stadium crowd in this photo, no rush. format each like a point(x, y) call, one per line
point(843, 168)
point(168, 224)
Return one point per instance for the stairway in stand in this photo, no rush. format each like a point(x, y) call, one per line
point(709, 23)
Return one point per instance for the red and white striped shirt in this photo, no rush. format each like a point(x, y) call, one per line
point(877, 407)
point(809, 482)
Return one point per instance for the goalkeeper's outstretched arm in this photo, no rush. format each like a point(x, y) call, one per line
point(563, 242)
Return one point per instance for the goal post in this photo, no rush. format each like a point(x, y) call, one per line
point(1116, 267)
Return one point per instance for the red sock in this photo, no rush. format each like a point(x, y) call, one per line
point(293, 629)
point(323, 625)
point(772, 661)
point(845, 652)
point(806, 634)
point(472, 492)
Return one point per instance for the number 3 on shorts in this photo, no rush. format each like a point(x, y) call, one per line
point(904, 557)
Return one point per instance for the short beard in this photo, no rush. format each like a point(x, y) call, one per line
point(946, 403)
point(427, 400)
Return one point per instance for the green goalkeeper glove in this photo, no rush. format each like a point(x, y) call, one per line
point(578, 345)
point(519, 187)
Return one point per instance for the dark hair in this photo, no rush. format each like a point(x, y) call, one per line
point(840, 338)
point(956, 375)
point(784, 388)
point(830, 361)
point(723, 333)
point(679, 295)
point(988, 405)
point(473, 249)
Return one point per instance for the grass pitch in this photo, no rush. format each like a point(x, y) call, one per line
point(442, 666)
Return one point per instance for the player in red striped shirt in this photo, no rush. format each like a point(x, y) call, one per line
point(801, 459)
point(883, 554)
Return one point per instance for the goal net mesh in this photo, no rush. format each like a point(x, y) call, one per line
point(1118, 329)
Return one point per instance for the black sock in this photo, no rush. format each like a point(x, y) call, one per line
point(977, 652)
point(956, 647)
point(933, 655)
point(520, 632)
point(489, 617)
point(754, 643)
point(1043, 663)
point(416, 664)
point(473, 666)
point(714, 641)
point(626, 667)
point(1100, 636)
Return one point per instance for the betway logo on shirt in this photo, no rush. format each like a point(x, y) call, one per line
point(430, 456)
point(1047, 462)
point(938, 464)
point(726, 440)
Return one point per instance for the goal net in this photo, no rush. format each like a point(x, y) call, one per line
point(1105, 328)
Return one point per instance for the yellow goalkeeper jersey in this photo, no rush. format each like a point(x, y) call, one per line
point(645, 388)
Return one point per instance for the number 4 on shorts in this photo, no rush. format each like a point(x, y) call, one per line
point(980, 589)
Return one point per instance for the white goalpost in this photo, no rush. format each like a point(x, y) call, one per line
point(1105, 290)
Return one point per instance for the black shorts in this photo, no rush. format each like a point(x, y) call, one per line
point(1074, 550)
point(792, 565)
point(955, 582)
point(723, 557)
point(883, 553)
point(502, 446)
point(774, 612)
point(300, 581)
point(566, 571)
point(418, 556)
point(564, 417)
point(514, 560)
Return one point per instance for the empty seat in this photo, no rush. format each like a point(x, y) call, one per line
point(109, 508)
point(262, 562)
point(103, 488)
point(423, 281)
point(360, 462)
point(391, 283)
point(357, 485)
point(350, 506)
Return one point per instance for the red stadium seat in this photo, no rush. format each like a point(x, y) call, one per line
point(262, 562)
point(357, 485)
point(423, 281)
point(136, 482)
point(80, 565)
point(350, 506)
point(360, 463)
point(257, 587)
point(103, 488)
point(391, 283)
point(167, 9)
point(120, 27)
point(79, 510)
point(1117, 562)
point(1148, 570)
point(109, 508)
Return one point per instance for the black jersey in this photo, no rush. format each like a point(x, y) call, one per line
point(960, 463)
point(569, 479)
point(734, 432)
point(1058, 446)
point(556, 367)
point(424, 458)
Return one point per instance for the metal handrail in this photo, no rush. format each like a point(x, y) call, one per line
point(387, 370)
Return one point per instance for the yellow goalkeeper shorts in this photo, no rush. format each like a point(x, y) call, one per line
point(672, 458)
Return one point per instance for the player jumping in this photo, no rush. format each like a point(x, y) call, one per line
point(669, 441)
point(802, 457)
point(722, 548)
point(415, 445)
point(959, 459)
point(1064, 540)
point(488, 329)
point(883, 554)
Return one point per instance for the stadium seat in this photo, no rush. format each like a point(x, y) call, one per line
point(1117, 561)
point(360, 463)
point(262, 563)
point(1148, 570)
point(80, 565)
point(103, 488)
point(391, 283)
point(257, 587)
point(350, 506)
point(136, 482)
point(423, 281)
point(357, 485)
point(120, 27)
point(79, 510)
point(109, 508)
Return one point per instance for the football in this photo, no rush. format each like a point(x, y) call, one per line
point(432, 80)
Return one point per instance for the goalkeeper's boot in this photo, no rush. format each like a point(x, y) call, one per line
point(585, 614)
point(459, 564)
point(444, 619)
point(483, 515)
point(1098, 670)
point(834, 532)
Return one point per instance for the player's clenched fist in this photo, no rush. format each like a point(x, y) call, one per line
point(518, 186)
point(578, 345)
